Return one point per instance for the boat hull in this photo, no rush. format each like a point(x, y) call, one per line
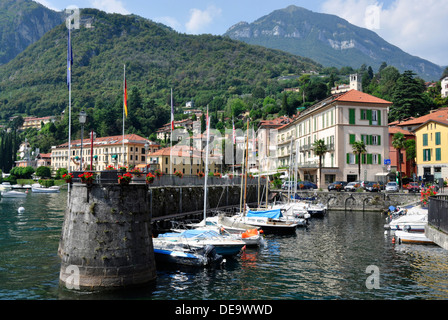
point(412, 237)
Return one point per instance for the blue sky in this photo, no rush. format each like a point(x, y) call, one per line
point(418, 27)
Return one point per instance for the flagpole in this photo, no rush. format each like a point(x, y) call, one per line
point(69, 82)
point(124, 106)
point(206, 165)
point(171, 136)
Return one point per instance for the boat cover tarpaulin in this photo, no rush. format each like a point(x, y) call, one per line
point(271, 214)
point(190, 234)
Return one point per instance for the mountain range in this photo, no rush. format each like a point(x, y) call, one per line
point(329, 40)
point(23, 22)
point(157, 58)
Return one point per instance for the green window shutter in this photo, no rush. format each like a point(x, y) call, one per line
point(379, 140)
point(425, 139)
point(438, 142)
point(370, 140)
point(369, 159)
point(352, 138)
point(351, 119)
point(379, 117)
point(369, 116)
point(379, 159)
point(438, 154)
point(424, 155)
point(348, 158)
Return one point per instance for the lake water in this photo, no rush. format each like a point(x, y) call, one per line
point(326, 261)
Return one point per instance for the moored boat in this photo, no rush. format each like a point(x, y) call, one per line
point(53, 189)
point(165, 251)
point(198, 238)
point(412, 237)
point(13, 194)
point(269, 221)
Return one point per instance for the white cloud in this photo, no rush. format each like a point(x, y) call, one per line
point(110, 6)
point(415, 26)
point(199, 19)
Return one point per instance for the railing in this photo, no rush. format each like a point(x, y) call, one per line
point(111, 177)
point(438, 212)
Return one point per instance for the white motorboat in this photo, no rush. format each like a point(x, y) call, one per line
point(13, 194)
point(165, 251)
point(228, 228)
point(5, 186)
point(54, 189)
point(224, 246)
point(415, 220)
point(412, 237)
point(270, 221)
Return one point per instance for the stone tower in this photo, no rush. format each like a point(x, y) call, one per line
point(106, 240)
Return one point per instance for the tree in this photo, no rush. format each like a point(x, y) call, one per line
point(408, 98)
point(399, 142)
point(43, 172)
point(320, 149)
point(359, 148)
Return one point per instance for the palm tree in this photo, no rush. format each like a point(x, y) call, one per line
point(320, 149)
point(399, 142)
point(359, 148)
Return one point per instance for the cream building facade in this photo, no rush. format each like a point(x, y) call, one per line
point(339, 120)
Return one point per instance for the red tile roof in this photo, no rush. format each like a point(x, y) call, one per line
point(437, 115)
point(360, 97)
point(394, 130)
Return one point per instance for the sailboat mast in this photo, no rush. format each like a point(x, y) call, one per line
point(247, 156)
point(206, 166)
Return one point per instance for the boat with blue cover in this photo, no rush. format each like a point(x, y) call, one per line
point(270, 221)
point(166, 251)
point(199, 238)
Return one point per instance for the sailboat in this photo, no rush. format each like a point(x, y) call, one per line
point(270, 221)
point(201, 237)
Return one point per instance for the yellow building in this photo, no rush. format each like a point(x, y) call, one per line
point(432, 147)
point(188, 160)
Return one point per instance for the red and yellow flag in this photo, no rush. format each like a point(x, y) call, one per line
point(125, 98)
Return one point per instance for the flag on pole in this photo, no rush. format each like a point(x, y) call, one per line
point(172, 110)
point(234, 132)
point(125, 97)
point(69, 60)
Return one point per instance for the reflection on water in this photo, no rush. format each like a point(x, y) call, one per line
point(327, 260)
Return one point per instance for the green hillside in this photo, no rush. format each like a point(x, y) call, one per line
point(156, 57)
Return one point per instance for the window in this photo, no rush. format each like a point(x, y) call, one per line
point(363, 114)
point(426, 154)
point(438, 141)
point(438, 154)
point(352, 158)
point(425, 139)
point(351, 117)
point(352, 138)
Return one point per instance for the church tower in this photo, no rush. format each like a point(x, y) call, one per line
point(356, 82)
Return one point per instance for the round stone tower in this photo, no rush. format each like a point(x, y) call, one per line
point(106, 240)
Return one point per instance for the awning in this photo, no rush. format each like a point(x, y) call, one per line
point(383, 174)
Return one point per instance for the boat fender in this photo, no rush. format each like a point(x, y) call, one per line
point(21, 210)
point(393, 240)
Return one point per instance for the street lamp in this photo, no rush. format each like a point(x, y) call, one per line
point(146, 155)
point(82, 121)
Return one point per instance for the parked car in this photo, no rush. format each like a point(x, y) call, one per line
point(413, 187)
point(392, 187)
point(332, 186)
point(287, 184)
point(382, 185)
point(304, 185)
point(364, 183)
point(352, 186)
point(372, 187)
